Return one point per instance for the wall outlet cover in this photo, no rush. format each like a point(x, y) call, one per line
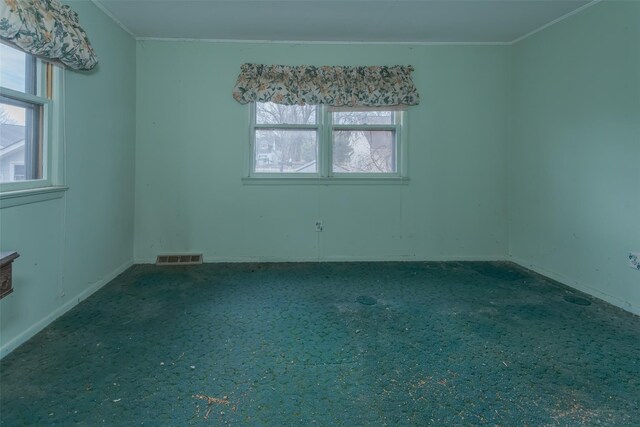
point(634, 260)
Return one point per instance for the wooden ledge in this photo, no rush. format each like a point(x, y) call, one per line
point(6, 259)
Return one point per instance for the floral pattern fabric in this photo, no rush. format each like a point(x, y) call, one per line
point(375, 86)
point(47, 29)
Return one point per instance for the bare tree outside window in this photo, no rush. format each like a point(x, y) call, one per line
point(365, 150)
point(6, 117)
point(285, 148)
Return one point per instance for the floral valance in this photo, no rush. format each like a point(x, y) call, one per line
point(376, 86)
point(47, 29)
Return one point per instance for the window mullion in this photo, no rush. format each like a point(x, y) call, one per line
point(31, 76)
point(252, 139)
point(30, 145)
point(401, 144)
point(325, 142)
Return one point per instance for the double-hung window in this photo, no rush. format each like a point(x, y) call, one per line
point(326, 143)
point(28, 151)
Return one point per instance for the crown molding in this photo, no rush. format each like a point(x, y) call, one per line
point(325, 42)
point(106, 11)
point(555, 21)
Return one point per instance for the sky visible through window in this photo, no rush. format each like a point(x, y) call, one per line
point(12, 77)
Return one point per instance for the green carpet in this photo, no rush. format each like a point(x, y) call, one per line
point(329, 344)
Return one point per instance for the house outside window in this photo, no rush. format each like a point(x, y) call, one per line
point(18, 172)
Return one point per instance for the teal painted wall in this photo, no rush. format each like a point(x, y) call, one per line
point(71, 246)
point(574, 155)
point(192, 137)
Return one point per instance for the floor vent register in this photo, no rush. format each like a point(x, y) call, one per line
point(179, 259)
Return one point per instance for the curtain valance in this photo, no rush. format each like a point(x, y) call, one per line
point(375, 86)
point(47, 29)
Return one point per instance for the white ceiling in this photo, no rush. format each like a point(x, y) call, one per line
point(467, 21)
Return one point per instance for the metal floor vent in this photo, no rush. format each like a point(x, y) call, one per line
point(179, 259)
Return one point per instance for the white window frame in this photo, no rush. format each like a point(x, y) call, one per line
point(324, 142)
point(51, 184)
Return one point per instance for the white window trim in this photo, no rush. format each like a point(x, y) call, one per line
point(52, 185)
point(324, 174)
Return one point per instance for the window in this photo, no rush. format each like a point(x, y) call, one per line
point(18, 172)
point(316, 141)
point(28, 145)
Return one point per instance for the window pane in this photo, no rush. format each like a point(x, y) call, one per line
point(20, 147)
point(268, 113)
point(364, 151)
point(17, 70)
point(19, 172)
point(363, 117)
point(283, 150)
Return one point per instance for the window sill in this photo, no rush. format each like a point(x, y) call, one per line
point(10, 199)
point(325, 181)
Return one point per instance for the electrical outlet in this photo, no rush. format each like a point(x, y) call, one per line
point(634, 260)
point(318, 226)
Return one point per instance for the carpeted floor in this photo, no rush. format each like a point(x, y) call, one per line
point(329, 344)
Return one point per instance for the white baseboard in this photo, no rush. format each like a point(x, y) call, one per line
point(340, 258)
point(582, 287)
point(237, 259)
point(413, 258)
point(44, 322)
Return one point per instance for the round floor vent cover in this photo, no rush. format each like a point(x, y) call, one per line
point(365, 300)
point(577, 300)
